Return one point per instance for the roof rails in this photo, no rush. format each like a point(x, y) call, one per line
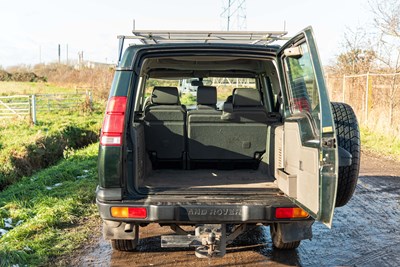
point(239, 37)
point(233, 37)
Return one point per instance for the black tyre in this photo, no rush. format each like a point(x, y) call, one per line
point(127, 244)
point(348, 138)
point(124, 244)
point(276, 235)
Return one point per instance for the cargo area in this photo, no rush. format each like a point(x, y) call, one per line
point(208, 175)
point(205, 122)
point(212, 179)
point(204, 149)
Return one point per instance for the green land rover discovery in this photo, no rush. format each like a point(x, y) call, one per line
point(259, 144)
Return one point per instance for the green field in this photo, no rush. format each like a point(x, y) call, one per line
point(29, 88)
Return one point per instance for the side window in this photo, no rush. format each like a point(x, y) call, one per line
point(304, 91)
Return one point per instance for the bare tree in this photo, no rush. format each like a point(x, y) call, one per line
point(358, 56)
point(386, 16)
point(387, 20)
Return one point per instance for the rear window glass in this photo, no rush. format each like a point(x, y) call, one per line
point(187, 87)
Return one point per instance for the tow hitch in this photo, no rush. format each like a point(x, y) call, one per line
point(209, 240)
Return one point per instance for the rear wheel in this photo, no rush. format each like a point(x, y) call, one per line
point(124, 244)
point(127, 244)
point(348, 138)
point(276, 235)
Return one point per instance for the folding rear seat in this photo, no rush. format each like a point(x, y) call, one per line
point(201, 125)
point(247, 107)
point(240, 138)
point(165, 126)
point(251, 122)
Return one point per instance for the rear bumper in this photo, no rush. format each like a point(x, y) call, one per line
point(202, 212)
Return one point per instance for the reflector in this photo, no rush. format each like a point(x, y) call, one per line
point(288, 213)
point(129, 212)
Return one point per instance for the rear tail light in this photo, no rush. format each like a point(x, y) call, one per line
point(290, 213)
point(129, 212)
point(113, 125)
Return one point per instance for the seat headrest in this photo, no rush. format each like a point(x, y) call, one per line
point(163, 95)
point(246, 97)
point(206, 95)
point(229, 99)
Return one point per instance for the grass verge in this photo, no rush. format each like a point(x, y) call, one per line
point(26, 148)
point(381, 144)
point(43, 216)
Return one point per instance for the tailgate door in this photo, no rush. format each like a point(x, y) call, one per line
point(309, 151)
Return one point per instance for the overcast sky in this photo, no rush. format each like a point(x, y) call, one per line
point(30, 31)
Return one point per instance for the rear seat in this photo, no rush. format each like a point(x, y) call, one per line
point(165, 126)
point(247, 107)
point(241, 137)
point(200, 123)
point(238, 140)
point(251, 122)
point(206, 98)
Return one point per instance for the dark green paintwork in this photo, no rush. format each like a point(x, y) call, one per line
point(329, 164)
point(328, 156)
point(110, 158)
point(130, 54)
point(121, 83)
point(109, 166)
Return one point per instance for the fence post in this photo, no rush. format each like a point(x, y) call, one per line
point(90, 100)
point(343, 87)
point(33, 109)
point(366, 98)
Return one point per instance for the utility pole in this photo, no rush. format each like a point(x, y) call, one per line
point(40, 54)
point(80, 58)
point(59, 53)
point(67, 54)
point(229, 14)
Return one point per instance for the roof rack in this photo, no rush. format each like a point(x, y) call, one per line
point(233, 37)
point(240, 37)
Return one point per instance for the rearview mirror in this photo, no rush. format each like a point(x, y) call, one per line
point(196, 83)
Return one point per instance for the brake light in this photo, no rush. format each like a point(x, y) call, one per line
point(290, 213)
point(128, 212)
point(301, 104)
point(113, 124)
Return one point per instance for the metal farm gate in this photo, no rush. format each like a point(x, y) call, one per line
point(21, 106)
point(14, 106)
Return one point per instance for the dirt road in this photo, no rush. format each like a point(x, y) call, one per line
point(366, 232)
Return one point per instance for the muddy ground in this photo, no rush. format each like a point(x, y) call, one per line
point(366, 232)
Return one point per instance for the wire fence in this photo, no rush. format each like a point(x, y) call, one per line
point(22, 106)
point(375, 98)
point(49, 102)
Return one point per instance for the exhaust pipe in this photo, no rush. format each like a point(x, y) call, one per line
point(128, 227)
